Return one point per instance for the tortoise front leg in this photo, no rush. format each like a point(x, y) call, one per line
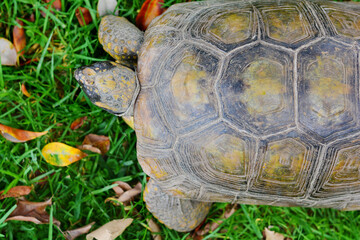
point(179, 214)
point(120, 38)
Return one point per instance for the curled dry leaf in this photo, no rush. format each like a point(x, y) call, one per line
point(81, 13)
point(78, 123)
point(111, 230)
point(18, 135)
point(149, 10)
point(17, 191)
point(107, 7)
point(154, 228)
point(19, 37)
point(25, 91)
point(271, 235)
point(32, 212)
point(96, 143)
point(130, 194)
point(125, 193)
point(8, 53)
point(72, 234)
point(59, 154)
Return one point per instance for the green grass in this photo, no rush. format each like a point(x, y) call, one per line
point(79, 191)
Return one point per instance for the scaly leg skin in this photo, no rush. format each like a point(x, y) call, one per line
point(120, 38)
point(109, 85)
point(179, 214)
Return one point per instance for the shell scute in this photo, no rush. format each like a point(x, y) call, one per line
point(256, 90)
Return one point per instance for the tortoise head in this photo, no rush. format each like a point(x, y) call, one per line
point(113, 86)
point(109, 85)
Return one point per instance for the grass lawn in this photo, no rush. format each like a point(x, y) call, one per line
point(58, 45)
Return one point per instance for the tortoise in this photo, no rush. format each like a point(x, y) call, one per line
point(252, 102)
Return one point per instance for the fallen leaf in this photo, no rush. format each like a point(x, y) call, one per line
point(56, 4)
point(32, 212)
point(83, 16)
point(19, 38)
point(271, 235)
point(154, 228)
point(17, 191)
point(149, 10)
point(111, 230)
point(72, 234)
point(78, 123)
point(18, 135)
point(107, 7)
point(24, 91)
point(121, 187)
point(31, 18)
point(125, 193)
point(229, 210)
point(59, 154)
point(130, 194)
point(96, 143)
point(8, 54)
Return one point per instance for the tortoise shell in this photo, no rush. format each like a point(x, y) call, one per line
point(253, 102)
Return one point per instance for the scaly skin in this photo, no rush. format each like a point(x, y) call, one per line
point(179, 214)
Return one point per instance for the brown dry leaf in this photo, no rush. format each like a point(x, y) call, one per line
point(149, 10)
point(19, 38)
point(72, 234)
point(111, 230)
point(18, 135)
point(154, 228)
point(25, 91)
point(84, 13)
point(59, 154)
point(271, 235)
point(16, 192)
point(32, 212)
point(56, 4)
point(230, 210)
point(125, 193)
point(78, 123)
point(130, 194)
point(106, 7)
point(96, 143)
point(8, 53)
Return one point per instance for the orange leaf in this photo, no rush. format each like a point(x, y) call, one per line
point(24, 91)
point(84, 13)
point(16, 192)
point(59, 154)
point(96, 143)
point(149, 10)
point(18, 135)
point(32, 212)
point(19, 38)
point(56, 4)
point(77, 123)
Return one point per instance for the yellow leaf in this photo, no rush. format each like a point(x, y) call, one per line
point(18, 135)
point(59, 154)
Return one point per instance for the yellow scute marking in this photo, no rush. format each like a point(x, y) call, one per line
point(103, 105)
point(186, 85)
point(264, 87)
point(228, 154)
point(232, 27)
